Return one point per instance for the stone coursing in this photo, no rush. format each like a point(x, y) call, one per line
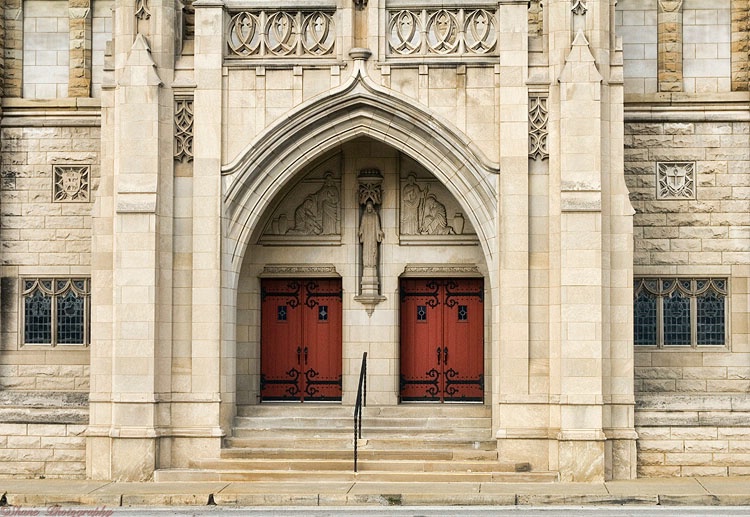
point(42, 434)
point(692, 407)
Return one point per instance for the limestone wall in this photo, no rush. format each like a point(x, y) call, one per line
point(691, 402)
point(45, 231)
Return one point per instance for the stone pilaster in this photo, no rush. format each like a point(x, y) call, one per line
point(740, 45)
point(79, 79)
point(669, 48)
point(13, 48)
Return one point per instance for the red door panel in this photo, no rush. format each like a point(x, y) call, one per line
point(300, 339)
point(322, 349)
point(463, 344)
point(421, 337)
point(442, 344)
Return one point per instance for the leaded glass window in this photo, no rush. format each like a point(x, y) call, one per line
point(56, 311)
point(685, 312)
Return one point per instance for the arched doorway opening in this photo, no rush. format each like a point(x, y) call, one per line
point(308, 237)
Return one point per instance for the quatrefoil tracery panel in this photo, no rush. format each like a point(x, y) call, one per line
point(441, 32)
point(281, 33)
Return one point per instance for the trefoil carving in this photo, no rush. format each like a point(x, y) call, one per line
point(281, 33)
point(183, 130)
point(441, 32)
point(142, 10)
point(538, 117)
point(675, 180)
point(579, 7)
point(70, 183)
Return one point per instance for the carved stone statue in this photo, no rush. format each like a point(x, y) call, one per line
point(434, 219)
point(412, 199)
point(370, 235)
point(318, 214)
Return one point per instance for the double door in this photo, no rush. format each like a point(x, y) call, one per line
point(300, 340)
point(442, 340)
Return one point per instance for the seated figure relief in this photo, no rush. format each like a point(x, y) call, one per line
point(421, 212)
point(317, 214)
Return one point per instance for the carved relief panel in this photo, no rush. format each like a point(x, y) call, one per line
point(310, 213)
point(429, 214)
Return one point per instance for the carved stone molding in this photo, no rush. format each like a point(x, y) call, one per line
point(281, 33)
point(670, 6)
point(675, 180)
point(441, 270)
point(299, 270)
point(183, 129)
point(538, 116)
point(70, 183)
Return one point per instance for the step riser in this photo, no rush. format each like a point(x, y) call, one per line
point(365, 454)
point(383, 477)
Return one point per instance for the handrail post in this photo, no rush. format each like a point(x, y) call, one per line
point(358, 404)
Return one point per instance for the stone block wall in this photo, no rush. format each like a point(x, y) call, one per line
point(699, 45)
point(636, 24)
point(692, 407)
point(46, 52)
point(706, 48)
point(42, 434)
point(45, 230)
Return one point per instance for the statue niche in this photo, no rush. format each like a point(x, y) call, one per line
point(310, 213)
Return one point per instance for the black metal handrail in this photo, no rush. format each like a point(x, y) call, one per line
point(359, 404)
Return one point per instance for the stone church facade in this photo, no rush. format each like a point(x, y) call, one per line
point(543, 205)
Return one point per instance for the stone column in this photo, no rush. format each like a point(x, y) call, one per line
point(130, 367)
point(581, 439)
point(79, 80)
point(669, 48)
point(518, 421)
point(213, 367)
point(740, 45)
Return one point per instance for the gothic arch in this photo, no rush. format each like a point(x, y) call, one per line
point(359, 108)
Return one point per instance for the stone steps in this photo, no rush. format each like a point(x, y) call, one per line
point(183, 475)
point(405, 443)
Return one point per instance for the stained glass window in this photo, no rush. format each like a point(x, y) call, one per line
point(644, 312)
point(56, 311)
point(676, 319)
point(680, 311)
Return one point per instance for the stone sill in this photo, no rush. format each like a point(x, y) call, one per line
point(69, 103)
point(686, 100)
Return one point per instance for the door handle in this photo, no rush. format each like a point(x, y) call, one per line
point(439, 351)
point(305, 355)
point(445, 355)
point(299, 355)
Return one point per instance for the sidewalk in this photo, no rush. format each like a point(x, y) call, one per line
point(733, 491)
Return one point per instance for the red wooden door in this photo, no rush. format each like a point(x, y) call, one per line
point(301, 340)
point(442, 344)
